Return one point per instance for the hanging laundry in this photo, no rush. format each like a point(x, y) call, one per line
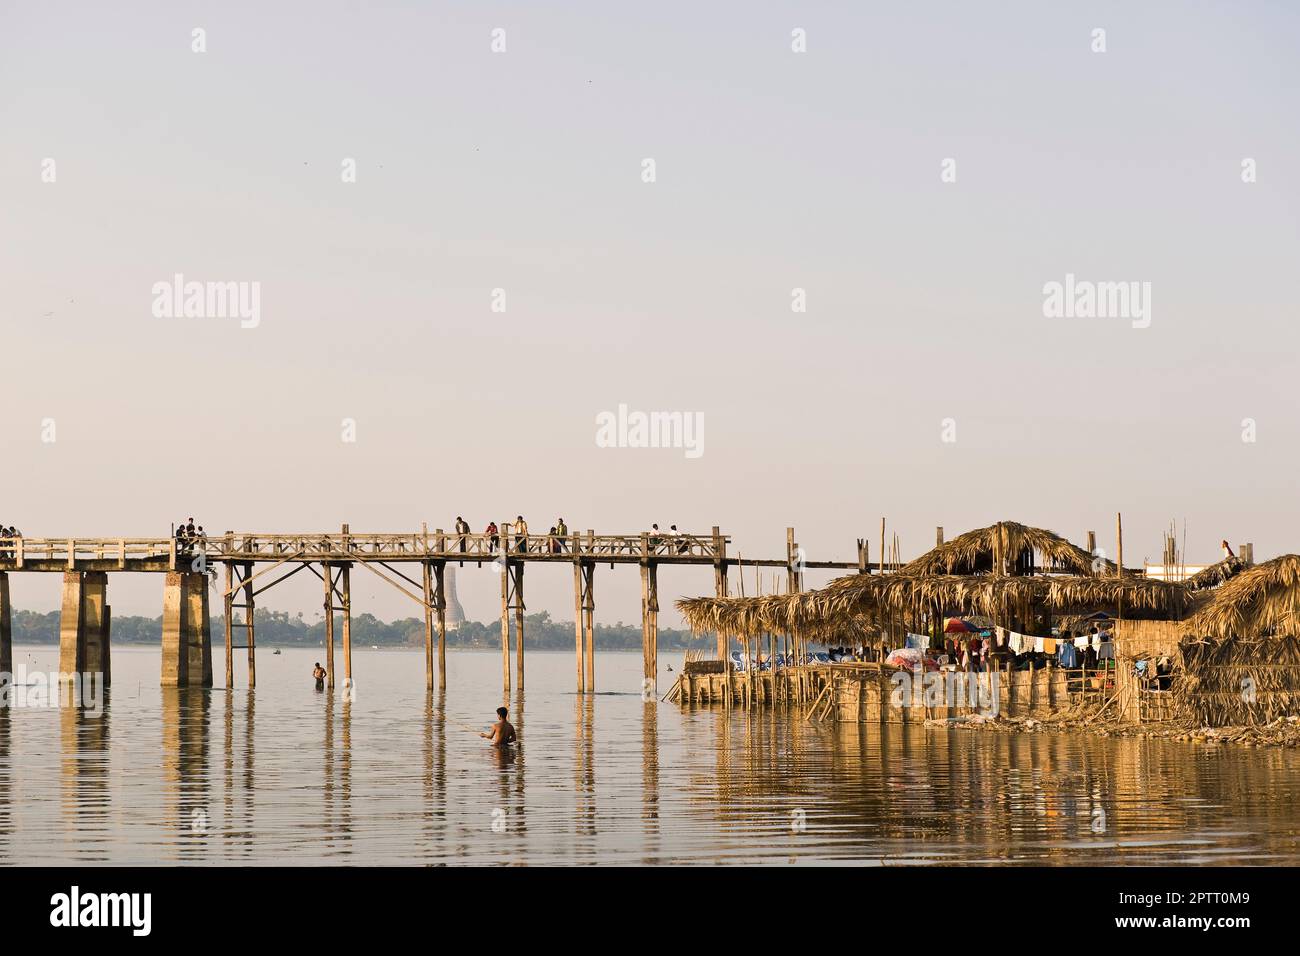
point(919, 642)
point(1049, 645)
point(1038, 645)
point(1068, 656)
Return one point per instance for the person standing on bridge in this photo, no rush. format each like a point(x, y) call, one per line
point(494, 537)
point(462, 529)
point(521, 534)
point(180, 538)
point(678, 539)
point(562, 530)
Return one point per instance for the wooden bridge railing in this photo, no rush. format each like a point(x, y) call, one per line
point(340, 546)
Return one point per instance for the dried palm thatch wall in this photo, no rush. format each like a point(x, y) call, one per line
point(1134, 639)
point(1234, 682)
point(1263, 601)
point(1241, 664)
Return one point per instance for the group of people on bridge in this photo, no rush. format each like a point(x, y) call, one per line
point(187, 536)
point(7, 534)
point(556, 537)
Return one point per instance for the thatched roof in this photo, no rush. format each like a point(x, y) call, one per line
point(858, 602)
point(1009, 548)
point(1261, 601)
point(1216, 574)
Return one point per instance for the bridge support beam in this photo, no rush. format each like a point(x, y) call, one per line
point(427, 567)
point(589, 619)
point(345, 594)
point(650, 625)
point(720, 586)
point(6, 627)
point(440, 614)
point(84, 624)
point(512, 599)
point(579, 630)
point(327, 576)
point(187, 632)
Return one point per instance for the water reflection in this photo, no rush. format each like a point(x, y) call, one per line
point(400, 775)
point(186, 817)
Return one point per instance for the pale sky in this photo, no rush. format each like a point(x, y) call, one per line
point(522, 170)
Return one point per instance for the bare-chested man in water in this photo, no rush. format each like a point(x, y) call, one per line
point(503, 732)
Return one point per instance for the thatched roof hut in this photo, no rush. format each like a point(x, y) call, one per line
point(857, 603)
point(1261, 601)
point(1007, 548)
point(1216, 574)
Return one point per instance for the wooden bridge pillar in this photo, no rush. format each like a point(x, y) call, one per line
point(650, 623)
point(345, 594)
point(512, 599)
point(589, 614)
point(6, 627)
point(720, 582)
point(579, 631)
point(328, 577)
point(250, 619)
point(186, 637)
point(440, 613)
point(519, 624)
point(427, 581)
point(84, 624)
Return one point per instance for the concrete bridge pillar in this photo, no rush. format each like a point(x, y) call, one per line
point(187, 632)
point(6, 627)
point(84, 625)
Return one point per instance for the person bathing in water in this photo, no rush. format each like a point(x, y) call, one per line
point(503, 732)
point(319, 674)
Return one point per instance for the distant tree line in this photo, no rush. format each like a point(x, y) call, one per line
point(281, 628)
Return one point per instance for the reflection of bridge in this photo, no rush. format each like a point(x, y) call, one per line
point(254, 563)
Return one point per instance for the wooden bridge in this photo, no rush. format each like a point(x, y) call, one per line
point(412, 563)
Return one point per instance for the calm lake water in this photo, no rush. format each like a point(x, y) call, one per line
point(289, 775)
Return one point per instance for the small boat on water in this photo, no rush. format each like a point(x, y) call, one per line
point(276, 651)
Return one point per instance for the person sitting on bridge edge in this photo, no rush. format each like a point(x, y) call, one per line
point(494, 537)
point(503, 732)
point(319, 673)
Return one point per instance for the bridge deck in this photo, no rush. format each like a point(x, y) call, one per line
point(159, 555)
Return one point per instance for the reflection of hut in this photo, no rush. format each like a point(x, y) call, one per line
point(1242, 661)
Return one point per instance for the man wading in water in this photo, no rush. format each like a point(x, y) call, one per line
point(503, 732)
point(319, 674)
